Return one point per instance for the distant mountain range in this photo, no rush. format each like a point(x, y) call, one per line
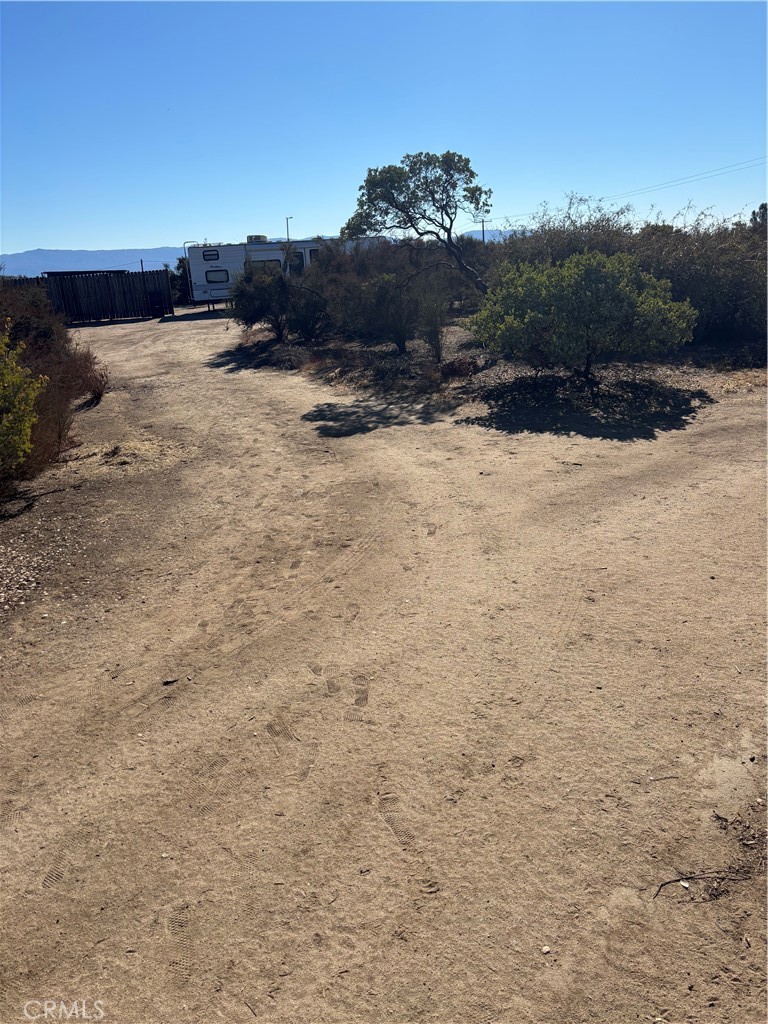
point(36, 261)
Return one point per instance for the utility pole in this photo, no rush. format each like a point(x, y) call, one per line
point(287, 248)
point(483, 224)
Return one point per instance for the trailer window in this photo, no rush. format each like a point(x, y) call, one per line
point(216, 276)
point(210, 255)
point(296, 263)
point(314, 254)
point(267, 266)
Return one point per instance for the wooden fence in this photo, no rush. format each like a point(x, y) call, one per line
point(22, 282)
point(87, 295)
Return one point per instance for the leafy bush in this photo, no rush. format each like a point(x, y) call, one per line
point(391, 311)
point(462, 366)
point(376, 291)
point(583, 225)
point(717, 265)
point(720, 268)
point(434, 303)
point(286, 305)
point(371, 291)
point(308, 317)
point(589, 308)
point(261, 295)
point(19, 390)
point(42, 345)
point(180, 292)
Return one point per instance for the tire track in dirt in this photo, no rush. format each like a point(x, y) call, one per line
point(178, 921)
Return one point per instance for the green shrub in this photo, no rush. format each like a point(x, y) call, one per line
point(434, 303)
point(720, 269)
point(717, 265)
point(180, 282)
point(391, 311)
point(308, 316)
point(19, 390)
point(588, 309)
point(261, 295)
point(370, 290)
point(44, 347)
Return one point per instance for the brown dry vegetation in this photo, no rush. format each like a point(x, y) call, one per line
point(336, 705)
point(70, 373)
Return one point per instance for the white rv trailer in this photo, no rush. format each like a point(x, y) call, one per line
point(214, 266)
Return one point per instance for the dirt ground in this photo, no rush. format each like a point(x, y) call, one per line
point(405, 722)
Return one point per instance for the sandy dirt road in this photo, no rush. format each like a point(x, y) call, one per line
point(402, 726)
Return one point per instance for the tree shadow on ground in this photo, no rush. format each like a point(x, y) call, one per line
point(260, 355)
point(388, 390)
point(621, 409)
point(345, 419)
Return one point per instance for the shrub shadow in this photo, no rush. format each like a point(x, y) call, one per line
point(621, 410)
point(245, 356)
point(17, 498)
point(90, 402)
point(397, 391)
point(345, 419)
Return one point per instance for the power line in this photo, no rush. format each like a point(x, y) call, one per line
point(134, 263)
point(701, 176)
point(119, 266)
point(716, 172)
point(502, 216)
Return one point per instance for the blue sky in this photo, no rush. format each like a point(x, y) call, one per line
point(143, 124)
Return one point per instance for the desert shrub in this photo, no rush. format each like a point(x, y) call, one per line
point(308, 316)
point(378, 291)
point(720, 269)
point(588, 309)
point(19, 390)
point(434, 307)
point(365, 292)
point(461, 366)
point(371, 291)
point(552, 236)
point(261, 295)
point(33, 321)
point(180, 282)
point(71, 376)
point(45, 348)
point(391, 311)
point(287, 305)
point(717, 265)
